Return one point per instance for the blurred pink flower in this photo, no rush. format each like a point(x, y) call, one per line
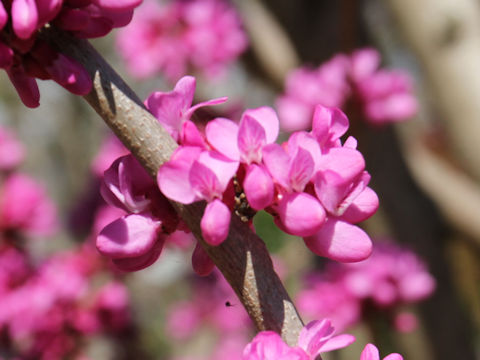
point(176, 37)
point(25, 207)
point(384, 95)
point(390, 277)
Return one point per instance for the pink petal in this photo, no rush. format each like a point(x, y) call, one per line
point(222, 135)
point(370, 352)
point(173, 176)
point(251, 139)
point(222, 170)
point(300, 214)
point(268, 120)
point(301, 170)
point(258, 186)
point(24, 18)
point(338, 342)
point(348, 163)
point(314, 335)
point(340, 241)
point(191, 136)
point(329, 124)
point(204, 182)
point(125, 184)
point(168, 109)
point(216, 101)
point(364, 206)
point(129, 236)
point(215, 222)
point(142, 261)
point(201, 262)
point(185, 87)
point(277, 162)
point(306, 141)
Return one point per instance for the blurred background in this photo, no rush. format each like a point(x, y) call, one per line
point(418, 295)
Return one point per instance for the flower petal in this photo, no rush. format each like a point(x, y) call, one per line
point(364, 206)
point(251, 139)
point(258, 186)
point(173, 176)
point(340, 241)
point(300, 214)
point(142, 261)
point(277, 163)
point(222, 134)
point(338, 342)
point(268, 120)
point(301, 170)
point(129, 236)
point(370, 352)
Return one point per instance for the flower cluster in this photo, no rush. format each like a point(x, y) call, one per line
point(345, 292)
point(383, 95)
point(313, 185)
point(26, 57)
point(47, 306)
point(178, 36)
point(24, 205)
point(314, 339)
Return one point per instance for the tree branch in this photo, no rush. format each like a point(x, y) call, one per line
point(242, 258)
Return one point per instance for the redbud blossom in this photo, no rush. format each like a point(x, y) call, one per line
point(25, 57)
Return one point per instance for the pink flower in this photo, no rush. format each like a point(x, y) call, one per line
point(392, 276)
point(193, 174)
point(305, 88)
point(179, 36)
point(134, 241)
point(315, 338)
point(322, 298)
point(386, 95)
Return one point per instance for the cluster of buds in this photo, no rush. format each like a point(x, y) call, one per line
point(25, 57)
